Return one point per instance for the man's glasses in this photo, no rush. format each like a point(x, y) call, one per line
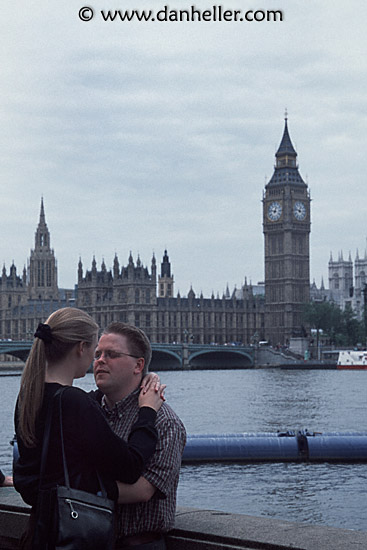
point(110, 354)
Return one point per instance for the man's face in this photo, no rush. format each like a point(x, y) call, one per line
point(115, 372)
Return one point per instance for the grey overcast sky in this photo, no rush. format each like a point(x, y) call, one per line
point(143, 136)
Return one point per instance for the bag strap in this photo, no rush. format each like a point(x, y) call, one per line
point(46, 436)
point(66, 473)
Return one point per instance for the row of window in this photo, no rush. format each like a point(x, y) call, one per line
point(140, 297)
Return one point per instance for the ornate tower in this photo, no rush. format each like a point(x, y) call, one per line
point(286, 227)
point(165, 280)
point(42, 268)
point(360, 274)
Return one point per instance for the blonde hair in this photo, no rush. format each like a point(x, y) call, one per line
point(68, 326)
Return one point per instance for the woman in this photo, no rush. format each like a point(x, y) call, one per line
point(62, 351)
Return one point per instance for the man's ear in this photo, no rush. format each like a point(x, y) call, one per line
point(139, 367)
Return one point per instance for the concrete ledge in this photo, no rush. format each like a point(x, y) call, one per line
point(14, 515)
point(209, 530)
point(212, 530)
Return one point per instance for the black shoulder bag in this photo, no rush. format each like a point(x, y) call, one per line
point(80, 520)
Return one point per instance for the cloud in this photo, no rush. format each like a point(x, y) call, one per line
point(144, 136)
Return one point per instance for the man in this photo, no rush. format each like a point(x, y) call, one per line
point(148, 507)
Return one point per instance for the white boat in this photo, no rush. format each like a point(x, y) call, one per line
point(352, 360)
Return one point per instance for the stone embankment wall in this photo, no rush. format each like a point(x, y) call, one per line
point(209, 530)
point(268, 357)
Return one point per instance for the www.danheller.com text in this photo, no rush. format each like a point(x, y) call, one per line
point(192, 14)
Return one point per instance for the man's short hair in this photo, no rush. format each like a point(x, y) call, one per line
point(137, 341)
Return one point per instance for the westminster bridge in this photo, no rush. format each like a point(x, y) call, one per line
point(169, 356)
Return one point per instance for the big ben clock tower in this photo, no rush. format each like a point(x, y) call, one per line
point(286, 226)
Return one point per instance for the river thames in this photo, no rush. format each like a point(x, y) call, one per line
point(258, 400)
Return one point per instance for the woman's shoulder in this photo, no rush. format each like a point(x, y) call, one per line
point(76, 398)
point(72, 393)
point(71, 397)
point(53, 388)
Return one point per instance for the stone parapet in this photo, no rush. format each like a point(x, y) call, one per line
point(213, 530)
point(209, 530)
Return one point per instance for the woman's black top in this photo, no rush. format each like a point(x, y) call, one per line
point(90, 445)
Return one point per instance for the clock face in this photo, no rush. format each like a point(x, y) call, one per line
point(274, 211)
point(299, 210)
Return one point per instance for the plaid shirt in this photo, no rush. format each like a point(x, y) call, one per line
point(162, 471)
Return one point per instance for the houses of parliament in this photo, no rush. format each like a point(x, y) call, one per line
point(144, 296)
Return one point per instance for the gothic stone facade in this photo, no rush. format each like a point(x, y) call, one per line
point(131, 294)
point(28, 299)
point(135, 295)
point(347, 283)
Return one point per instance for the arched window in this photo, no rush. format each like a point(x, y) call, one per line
point(336, 281)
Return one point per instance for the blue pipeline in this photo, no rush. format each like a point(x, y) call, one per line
point(289, 446)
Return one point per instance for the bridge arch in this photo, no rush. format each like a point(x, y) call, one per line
point(18, 349)
point(165, 360)
point(231, 358)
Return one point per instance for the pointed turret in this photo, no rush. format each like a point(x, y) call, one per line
point(116, 267)
point(286, 146)
point(42, 235)
point(154, 269)
point(94, 266)
point(165, 280)
point(165, 266)
point(13, 270)
point(42, 263)
point(286, 168)
point(42, 213)
point(80, 270)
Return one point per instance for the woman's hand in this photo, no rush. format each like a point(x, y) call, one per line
point(151, 380)
point(8, 482)
point(153, 396)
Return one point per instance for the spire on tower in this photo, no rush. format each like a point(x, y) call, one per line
point(286, 145)
point(42, 213)
point(286, 168)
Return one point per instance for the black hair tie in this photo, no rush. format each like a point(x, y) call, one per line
point(43, 332)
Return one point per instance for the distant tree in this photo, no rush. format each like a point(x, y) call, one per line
point(341, 327)
point(352, 329)
point(323, 316)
